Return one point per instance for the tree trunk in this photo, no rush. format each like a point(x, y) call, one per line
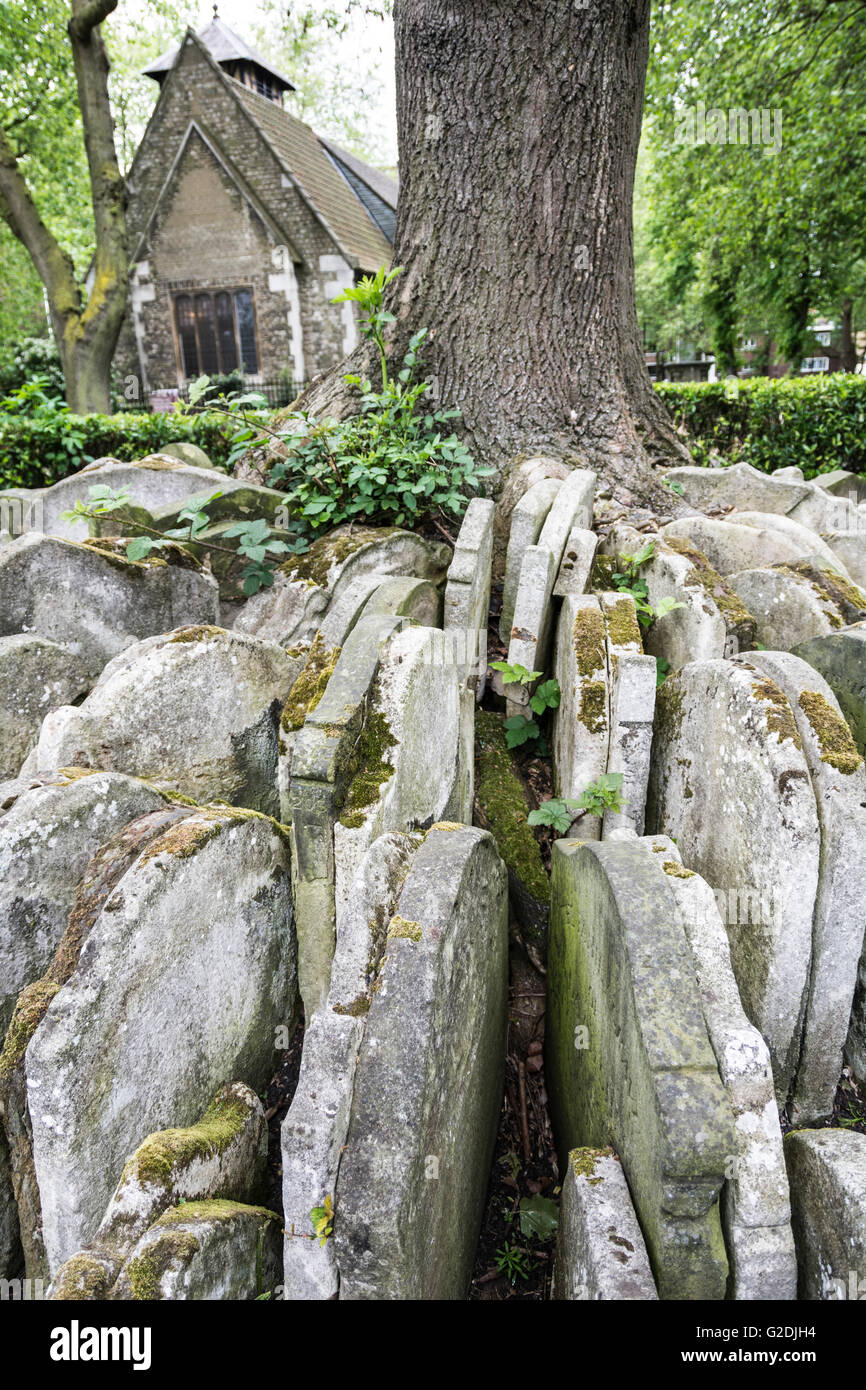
point(86, 331)
point(518, 132)
point(849, 349)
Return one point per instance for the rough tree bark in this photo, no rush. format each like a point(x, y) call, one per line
point(518, 132)
point(86, 328)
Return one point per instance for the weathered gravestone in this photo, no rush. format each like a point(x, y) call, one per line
point(222, 1156)
point(196, 710)
point(839, 923)
point(141, 1035)
point(750, 539)
point(581, 724)
point(628, 1060)
point(35, 677)
point(827, 1171)
point(205, 1251)
point(600, 1251)
point(730, 784)
point(841, 660)
point(428, 1084)
point(633, 678)
point(90, 599)
point(467, 593)
point(791, 603)
point(527, 520)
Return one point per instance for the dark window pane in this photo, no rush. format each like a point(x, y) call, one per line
point(226, 332)
point(247, 331)
point(206, 334)
point(186, 335)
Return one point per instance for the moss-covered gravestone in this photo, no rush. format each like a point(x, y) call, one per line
point(629, 1062)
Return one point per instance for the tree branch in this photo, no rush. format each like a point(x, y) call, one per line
point(21, 215)
point(89, 17)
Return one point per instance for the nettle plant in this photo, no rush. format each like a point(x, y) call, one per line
point(257, 542)
point(560, 813)
point(519, 729)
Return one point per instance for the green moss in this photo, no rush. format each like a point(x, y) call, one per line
point(780, 717)
point(503, 805)
point(675, 870)
point(310, 685)
point(159, 1157)
point(588, 637)
point(82, 1277)
point(593, 706)
point(670, 698)
point(357, 1009)
point(834, 737)
point(622, 624)
point(729, 604)
point(188, 836)
point(30, 1009)
point(213, 1209)
point(583, 1162)
point(371, 768)
point(145, 1271)
point(830, 587)
point(333, 549)
point(196, 634)
point(399, 928)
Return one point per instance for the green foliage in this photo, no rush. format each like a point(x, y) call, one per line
point(397, 462)
point(39, 448)
point(513, 1262)
point(519, 729)
point(516, 674)
point(322, 1218)
point(817, 423)
point(605, 794)
point(257, 542)
point(31, 359)
point(539, 1217)
point(662, 669)
point(627, 580)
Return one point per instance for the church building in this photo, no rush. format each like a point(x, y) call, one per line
point(244, 224)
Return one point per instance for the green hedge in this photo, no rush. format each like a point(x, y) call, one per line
point(38, 450)
point(818, 423)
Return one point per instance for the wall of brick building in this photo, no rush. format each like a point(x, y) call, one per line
point(206, 234)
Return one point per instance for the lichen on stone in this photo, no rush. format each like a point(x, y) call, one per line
point(703, 575)
point(675, 870)
point(502, 802)
point(310, 685)
point(834, 737)
point(583, 1161)
point(622, 624)
point(30, 1009)
point(370, 768)
point(198, 633)
point(81, 1277)
point(400, 929)
point(332, 550)
point(588, 638)
point(145, 1271)
point(780, 716)
point(848, 601)
point(592, 711)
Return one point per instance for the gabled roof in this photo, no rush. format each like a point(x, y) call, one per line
point(224, 46)
point(329, 193)
point(376, 191)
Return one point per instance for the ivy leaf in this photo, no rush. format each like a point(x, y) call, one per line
point(539, 1217)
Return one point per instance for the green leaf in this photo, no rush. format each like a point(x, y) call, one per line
point(539, 1217)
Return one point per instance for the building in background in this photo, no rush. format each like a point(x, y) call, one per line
point(244, 224)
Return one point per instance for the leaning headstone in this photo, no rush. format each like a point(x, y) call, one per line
point(181, 982)
point(203, 1252)
point(47, 839)
point(794, 533)
point(307, 586)
point(849, 549)
point(740, 486)
point(223, 1156)
point(840, 482)
point(841, 660)
point(792, 603)
point(190, 454)
point(742, 543)
point(467, 592)
point(324, 763)
point(100, 878)
point(94, 601)
point(196, 711)
point(730, 784)
point(572, 507)
point(519, 476)
point(581, 724)
point(576, 567)
point(315, 1128)
point(527, 520)
point(822, 511)
point(839, 923)
point(600, 1251)
point(628, 1060)
point(533, 619)
point(756, 1208)
point(633, 678)
point(407, 760)
point(827, 1171)
point(428, 1085)
point(35, 677)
